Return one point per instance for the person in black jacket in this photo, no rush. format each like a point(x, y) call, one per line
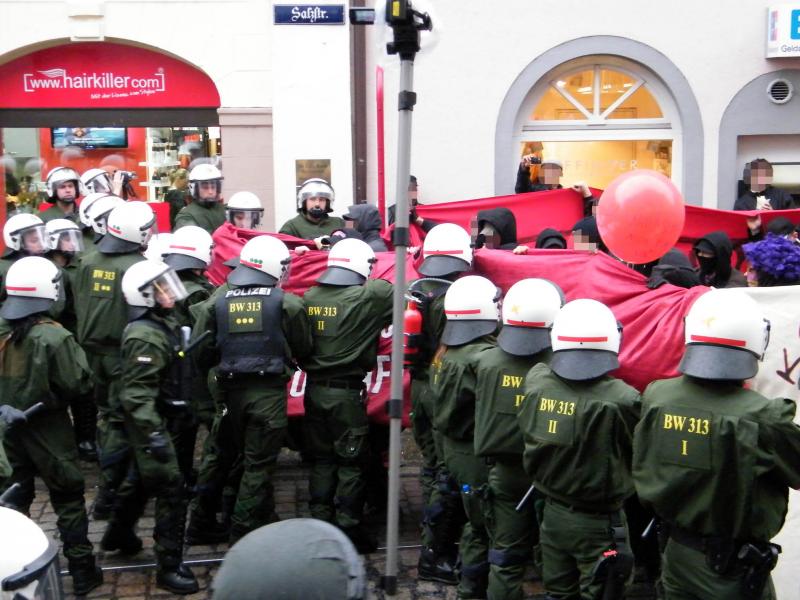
point(495, 228)
point(550, 172)
point(713, 253)
point(758, 191)
point(367, 223)
point(413, 202)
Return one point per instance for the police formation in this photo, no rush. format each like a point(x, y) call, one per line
point(534, 456)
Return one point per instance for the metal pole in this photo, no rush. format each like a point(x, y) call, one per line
point(405, 106)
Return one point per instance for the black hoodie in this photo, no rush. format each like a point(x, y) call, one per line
point(503, 220)
point(551, 238)
point(717, 271)
point(674, 267)
point(368, 225)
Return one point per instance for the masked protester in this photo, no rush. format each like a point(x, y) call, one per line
point(713, 252)
point(577, 424)
point(151, 400)
point(495, 228)
point(447, 253)
point(259, 332)
point(206, 209)
point(314, 205)
point(551, 239)
point(63, 190)
point(714, 459)
point(41, 362)
point(674, 267)
point(529, 308)
point(367, 222)
point(472, 312)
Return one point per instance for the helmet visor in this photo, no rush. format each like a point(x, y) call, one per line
point(100, 184)
point(34, 240)
point(244, 219)
point(167, 289)
point(68, 241)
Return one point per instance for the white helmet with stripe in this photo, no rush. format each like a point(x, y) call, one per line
point(189, 248)
point(726, 336)
point(529, 308)
point(33, 284)
point(472, 309)
point(350, 262)
point(447, 249)
point(585, 338)
point(264, 260)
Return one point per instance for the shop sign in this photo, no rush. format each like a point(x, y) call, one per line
point(103, 75)
point(783, 31)
point(309, 14)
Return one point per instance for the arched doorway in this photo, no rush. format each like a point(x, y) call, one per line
point(602, 105)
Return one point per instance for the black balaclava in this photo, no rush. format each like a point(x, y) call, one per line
point(715, 270)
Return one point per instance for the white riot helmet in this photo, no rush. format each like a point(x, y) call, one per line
point(246, 208)
point(472, 309)
point(189, 248)
point(205, 172)
point(96, 181)
point(264, 260)
point(98, 211)
point(61, 175)
point(28, 560)
point(315, 188)
point(726, 336)
point(129, 226)
point(157, 246)
point(84, 207)
point(33, 284)
point(585, 338)
point(350, 262)
point(64, 236)
point(148, 283)
point(447, 250)
point(529, 308)
point(25, 233)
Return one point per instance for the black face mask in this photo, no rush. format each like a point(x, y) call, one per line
point(707, 264)
point(317, 212)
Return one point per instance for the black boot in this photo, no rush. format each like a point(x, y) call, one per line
point(436, 567)
point(177, 578)
point(103, 504)
point(122, 538)
point(87, 451)
point(205, 531)
point(86, 576)
point(362, 539)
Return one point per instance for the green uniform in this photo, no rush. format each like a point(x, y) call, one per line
point(513, 534)
point(102, 315)
point(454, 383)
point(177, 200)
point(148, 379)
point(48, 366)
point(54, 212)
point(208, 218)
point(5, 466)
point(257, 403)
point(714, 460)
point(345, 324)
point(5, 264)
point(578, 444)
point(301, 227)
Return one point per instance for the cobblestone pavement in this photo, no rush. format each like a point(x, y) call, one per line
point(125, 581)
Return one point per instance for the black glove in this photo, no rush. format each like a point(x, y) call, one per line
point(11, 416)
point(160, 447)
point(412, 214)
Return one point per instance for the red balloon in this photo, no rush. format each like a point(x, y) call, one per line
point(640, 216)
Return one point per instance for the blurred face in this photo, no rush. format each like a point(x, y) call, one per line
point(581, 241)
point(752, 277)
point(242, 219)
point(207, 190)
point(66, 191)
point(164, 296)
point(181, 183)
point(551, 174)
point(760, 178)
point(413, 196)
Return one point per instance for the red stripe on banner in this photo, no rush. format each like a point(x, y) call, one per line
point(12, 288)
point(336, 259)
point(190, 248)
point(718, 340)
point(474, 311)
point(568, 338)
point(527, 323)
point(433, 252)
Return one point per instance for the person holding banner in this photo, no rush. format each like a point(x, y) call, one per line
point(314, 205)
point(714, 459)
point(759, 193)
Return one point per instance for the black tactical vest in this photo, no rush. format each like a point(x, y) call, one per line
point(249, 333)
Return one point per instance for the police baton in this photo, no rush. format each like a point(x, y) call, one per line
point(525, 498)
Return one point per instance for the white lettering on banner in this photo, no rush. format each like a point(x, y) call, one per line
point(298, 385)
point(386, 333)
point(382, 371)
point(310, 14)
point(60, 79)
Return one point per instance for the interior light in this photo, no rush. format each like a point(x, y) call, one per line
point(585, 90)
point(560, 83)
point(627, 85)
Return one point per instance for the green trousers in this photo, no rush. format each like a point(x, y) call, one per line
point(113, 449)
point(472, 475)
point(512, 534)
point(45, 447)
point(685, 575)
point(259, 423)
point(572, 543)
point(336, 432)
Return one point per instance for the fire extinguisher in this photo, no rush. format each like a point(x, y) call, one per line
point(412, 332)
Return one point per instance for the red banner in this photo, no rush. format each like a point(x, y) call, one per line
point(103, 75)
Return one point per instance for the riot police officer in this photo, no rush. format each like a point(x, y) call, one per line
point(446, 255)
point(260, 331)
point(347, 312)
point(63, 189)
point(472, 312)
point(714, 459)
point(314, 205)
point(41, 362)
point(577, 424)
point(529, 308)
point(151, 400)
point(244, 210)
point(24, 235)
point(206, 209)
